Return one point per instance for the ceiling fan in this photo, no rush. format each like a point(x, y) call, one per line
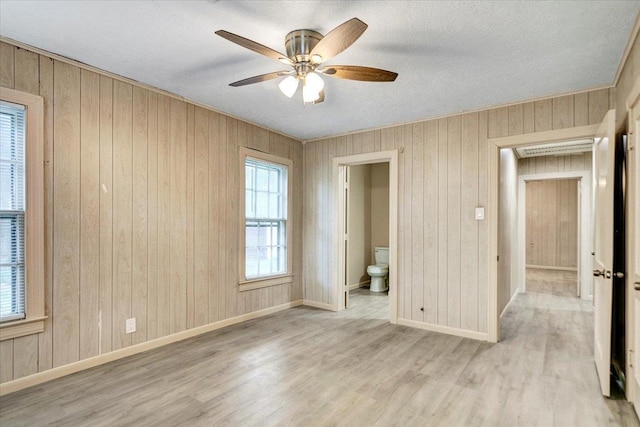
point(307, 50)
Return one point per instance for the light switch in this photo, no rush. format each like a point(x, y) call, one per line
point(479, 214)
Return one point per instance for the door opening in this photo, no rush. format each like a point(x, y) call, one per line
point(354, 246)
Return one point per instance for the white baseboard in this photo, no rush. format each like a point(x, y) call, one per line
point(359, 285)
point(319, 305)
point(513, 298)
point(551, 267)
point(61, 371)
point(482, 336)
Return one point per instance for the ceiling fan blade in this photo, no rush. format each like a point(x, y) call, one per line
point(260, 78)
point(354, 72)
point(254, 46)
point(320, 99)
point(339, 39)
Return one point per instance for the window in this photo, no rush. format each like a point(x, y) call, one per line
point(266, 217)
point(12, 209)
point(21, 214)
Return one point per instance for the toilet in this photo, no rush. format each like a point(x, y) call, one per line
point(380, 271)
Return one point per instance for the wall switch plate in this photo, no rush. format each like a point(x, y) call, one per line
point(479, 214)
point(130, 325)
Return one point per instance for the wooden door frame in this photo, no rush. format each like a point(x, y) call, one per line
point(494, 146)
point(339, 166)
point(584, 223)
point(633, 101)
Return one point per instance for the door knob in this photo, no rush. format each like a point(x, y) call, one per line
point(636, 286)
point(619, 275)
point(598, 273)
point(607, 274)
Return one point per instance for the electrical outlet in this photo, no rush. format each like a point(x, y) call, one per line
point(479, 213)
point(130, 325)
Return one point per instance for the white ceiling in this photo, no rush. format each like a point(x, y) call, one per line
point(450, 56)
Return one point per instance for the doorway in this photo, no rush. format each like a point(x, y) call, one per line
point(557, 241)
point(341, 172)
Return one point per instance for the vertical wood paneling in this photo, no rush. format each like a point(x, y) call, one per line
point(468, 224)
point(106, 214)
point(407, 138)
point(598, 105)
point(6, 356)
point(581, 109)
point(454, 171)
point(25, 356)
point(543, 115)
point(27, 70)
point(178, 227)
point(164, 216)
point(417, 223)
point(551, 223)
point(443, 225)
point(122, 211)
point(45, 339)
point(563, 112)
point(89, 214)
point(201, 216)
point(483, 200)
point(222, 231)
point(66, 269)
point(215, 276)
point(190, 171)
point(141, 219)
point(430, 222)
point(7, 65)
point(140, 254)
point(232, 218)
point(152, 224)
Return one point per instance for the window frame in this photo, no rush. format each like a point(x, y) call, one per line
point(33, 322)
point(273, 280)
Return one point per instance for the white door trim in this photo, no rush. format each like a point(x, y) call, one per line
point(584, 230)
point(339, 165)
point(494, 145)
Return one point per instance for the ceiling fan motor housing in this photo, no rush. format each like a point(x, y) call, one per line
point(300, 43)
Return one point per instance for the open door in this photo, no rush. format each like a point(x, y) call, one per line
point(604, 162)
point(633, 245)
point(344, 173)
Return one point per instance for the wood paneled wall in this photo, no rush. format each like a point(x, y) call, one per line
point(443, 177)
point(141, 214)
point(552, 223)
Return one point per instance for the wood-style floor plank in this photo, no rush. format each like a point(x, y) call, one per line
point(310, 367)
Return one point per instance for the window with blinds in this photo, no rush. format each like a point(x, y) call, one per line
point(265, 218)
point(12, 211)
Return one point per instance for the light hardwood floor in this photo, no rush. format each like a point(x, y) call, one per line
point(310, 367)
point(555, 282)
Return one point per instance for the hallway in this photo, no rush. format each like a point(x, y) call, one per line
point(311, 367)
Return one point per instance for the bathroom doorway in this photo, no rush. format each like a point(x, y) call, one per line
point(365, 187)
point(367, 242)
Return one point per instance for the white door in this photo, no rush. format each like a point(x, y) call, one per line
point(603, 154)
point(633, 246)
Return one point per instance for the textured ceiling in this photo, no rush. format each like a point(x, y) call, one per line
point(450, 56)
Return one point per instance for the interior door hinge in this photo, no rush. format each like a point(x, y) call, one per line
point(498, 258)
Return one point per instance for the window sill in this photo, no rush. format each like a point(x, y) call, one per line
point(20, 328)
point(265, 282)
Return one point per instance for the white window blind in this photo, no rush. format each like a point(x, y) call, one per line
point(12, 209)
point(266, 218)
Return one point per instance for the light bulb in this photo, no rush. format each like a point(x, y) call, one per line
point(289, 86)
point(308, 94)
point(314, 81)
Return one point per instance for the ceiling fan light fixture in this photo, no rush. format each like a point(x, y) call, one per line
point(309, 94)
point(316, 59)
point(289, 86)
point(314, 81)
